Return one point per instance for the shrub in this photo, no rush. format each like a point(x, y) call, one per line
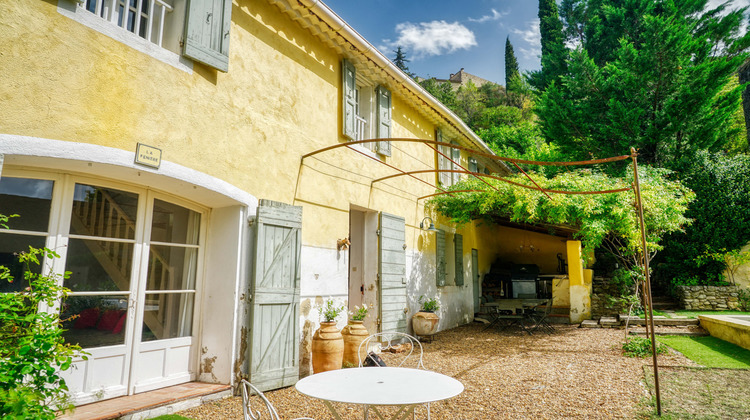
point(33, 351)
point(721, 214)
point(641, 347)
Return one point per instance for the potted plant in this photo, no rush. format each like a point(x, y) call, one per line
point(354, 334)
point(425, 322)
point(327, 342)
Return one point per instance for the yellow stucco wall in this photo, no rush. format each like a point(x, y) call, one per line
point(249, 127)
point(580, 284)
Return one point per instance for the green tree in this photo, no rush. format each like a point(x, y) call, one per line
point(511, 63)
point(669, 98)
point(469, 104)
point(553, 46)
point(522, 140)
point(401, 60)
point(442, 91)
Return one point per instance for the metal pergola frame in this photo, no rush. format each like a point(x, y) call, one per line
point(432, 144)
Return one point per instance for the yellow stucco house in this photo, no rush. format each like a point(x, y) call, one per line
point(162, 148)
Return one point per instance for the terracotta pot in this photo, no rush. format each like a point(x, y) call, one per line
point(425, 323)
point(327, 348)
point(354, 334)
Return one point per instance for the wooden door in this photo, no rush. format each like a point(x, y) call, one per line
point(274, 335)
point(392, 273)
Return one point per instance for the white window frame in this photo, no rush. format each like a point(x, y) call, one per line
point(169, 54)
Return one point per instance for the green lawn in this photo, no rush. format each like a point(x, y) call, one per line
point(709, 351)
point(171, 417)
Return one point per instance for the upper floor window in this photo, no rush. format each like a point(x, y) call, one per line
point(366, 110)
point(145, 18)
point(197, 29)
point(449, 160)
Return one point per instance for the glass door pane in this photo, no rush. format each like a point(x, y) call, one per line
point(31, 200)
point(100, 257)
point(172, 269)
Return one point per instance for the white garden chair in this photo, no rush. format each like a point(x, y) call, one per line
point(249, 390)
point(390, 341)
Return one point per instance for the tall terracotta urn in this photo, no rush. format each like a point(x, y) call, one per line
point(425, 323)
point(327, 348)
point(354, 334)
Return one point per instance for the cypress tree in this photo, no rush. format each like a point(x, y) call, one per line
point(511, 64)
point(665, 85)
point(553, 46)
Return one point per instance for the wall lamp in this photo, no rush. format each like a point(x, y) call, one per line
point(425, 226)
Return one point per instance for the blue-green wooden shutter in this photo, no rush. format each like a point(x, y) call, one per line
point(444, 178)
point(392, 273)
point(274, 313)
point(349, 98)
point(456, 156)
point(473, 166)
point(207, 32)
point(458, 241)
point(384, 120)
point(440, 263)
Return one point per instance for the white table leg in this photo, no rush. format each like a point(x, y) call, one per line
point(333, 411)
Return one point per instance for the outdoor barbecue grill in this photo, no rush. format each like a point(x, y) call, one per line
point(523, 277)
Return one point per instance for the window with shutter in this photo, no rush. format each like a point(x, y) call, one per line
point(440, 262)
point(384, 120)
point(458, 241)
point(207, 32)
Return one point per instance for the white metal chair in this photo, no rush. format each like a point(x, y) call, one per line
point(392, 342)
point(248, 390)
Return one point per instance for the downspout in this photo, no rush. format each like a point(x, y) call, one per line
point(329, 17)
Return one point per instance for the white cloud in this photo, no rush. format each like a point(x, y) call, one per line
point(433, 38)
point(532, 39)
point(486, 18)
point(735, 5)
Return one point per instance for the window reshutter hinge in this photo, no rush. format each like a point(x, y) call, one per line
point(377, 232)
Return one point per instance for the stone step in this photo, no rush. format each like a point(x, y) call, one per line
point(661, 321)
point(590, 323)
point(609, 322)
point(680, 333)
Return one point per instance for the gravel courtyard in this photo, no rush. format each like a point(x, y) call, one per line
point(573, 373)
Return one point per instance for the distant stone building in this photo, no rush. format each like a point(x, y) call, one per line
point(460, 79)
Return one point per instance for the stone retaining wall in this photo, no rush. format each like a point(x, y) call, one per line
point(708, 298)
point(602, 290)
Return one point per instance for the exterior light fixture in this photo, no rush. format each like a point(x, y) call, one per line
point(425, 226)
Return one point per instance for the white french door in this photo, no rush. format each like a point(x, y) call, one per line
point(134, 258)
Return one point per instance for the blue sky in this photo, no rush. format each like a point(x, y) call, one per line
point(440, 37)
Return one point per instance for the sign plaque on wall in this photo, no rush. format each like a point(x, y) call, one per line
point(147, 155)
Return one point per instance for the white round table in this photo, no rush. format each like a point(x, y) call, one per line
point(380, 386)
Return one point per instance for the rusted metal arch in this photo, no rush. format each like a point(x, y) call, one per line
point(635, 187)
point(481, 175)
point(473, 151)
